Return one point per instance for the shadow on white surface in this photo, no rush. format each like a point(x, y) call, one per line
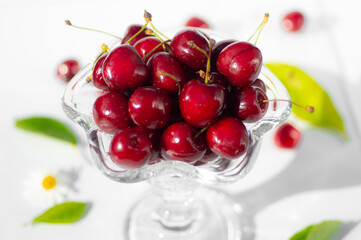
point(322, 162)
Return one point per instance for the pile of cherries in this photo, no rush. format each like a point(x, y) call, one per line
point(185, 98)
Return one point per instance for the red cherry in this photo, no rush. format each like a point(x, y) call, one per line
point(154, 137)
point(185, 53)
point(228, 138)
point(200, 103)
point(178, 143)
point(97, 76)
point(67, 70)
point(124, 70)
point(110, 112)
point(166, 72)
point(197, 22)
point(216, 50)
point(132, 30)
point(240, 62)
point(208, 157)
point(149, 107)
point(220, 79)
point(249, 105)
point(293, 21)
point(130, 149)
point(259, 84)
point(287, 136)
point(147, 44)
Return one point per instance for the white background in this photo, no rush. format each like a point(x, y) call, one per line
point(287, 190)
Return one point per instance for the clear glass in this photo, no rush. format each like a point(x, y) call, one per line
point(180, 207)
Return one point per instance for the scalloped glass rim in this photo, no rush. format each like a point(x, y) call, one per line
point(77, 103)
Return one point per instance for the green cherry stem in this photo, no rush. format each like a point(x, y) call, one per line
point(105, 49)
point(265, 20)
point(208, 69)
point(200, 132)
point(90, 29)
point(151, 33)
point(308, 108)
point(148, 19)
point(193, 45)
point(160, 73)
point(151, 51)
point(139, 32)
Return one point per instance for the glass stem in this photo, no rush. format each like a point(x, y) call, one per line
point(178, 208)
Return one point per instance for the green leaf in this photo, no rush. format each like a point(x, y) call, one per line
point(306, 91)
point(47, 126)
point(67, 212)
point(326, 230)
point(301, 235)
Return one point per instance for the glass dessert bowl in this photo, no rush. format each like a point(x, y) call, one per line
point(179, 207)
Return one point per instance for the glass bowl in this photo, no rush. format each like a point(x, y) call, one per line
point(178, 208)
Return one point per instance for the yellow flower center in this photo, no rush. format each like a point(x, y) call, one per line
point(49, 182)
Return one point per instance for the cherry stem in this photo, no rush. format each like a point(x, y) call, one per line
point(308, 108)
point(200, 132)
point(265, 20)
point(89, 78)
point(139, 32)
point(160, 73)
point(193, 45)
point(208, 69)
point(90, 29)
point(104, 50)
point(151, 51)
point(150, 32)
point(201, 73)
point(148, 19)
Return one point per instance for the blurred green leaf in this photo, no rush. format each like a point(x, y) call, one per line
point(301, 235)
point(67, 212)
point(304, 90)
point(48, 127)
point(327, 230)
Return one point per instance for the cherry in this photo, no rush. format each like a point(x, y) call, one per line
point(149, 107)
point(228, 138)
point(293, 21)
point(147, 44)
point(67, 70)
point(124, 70)
point(132, 30)
point(200, 103)
point(217, 48)
point(97, 76)
point(208, 157)
point(259, 84)
point(220, 79)
point(166, 72)
point(287, 136)
point(197, 22)
point(178, 143)
point(250, 104)
point(110, 112)
point(240, 62)
point(130, 149)
point(154, 137)
point(190, 56)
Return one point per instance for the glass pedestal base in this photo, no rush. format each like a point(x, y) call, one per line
point(214, 216)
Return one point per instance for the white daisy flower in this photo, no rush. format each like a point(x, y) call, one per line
point(48, 187)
